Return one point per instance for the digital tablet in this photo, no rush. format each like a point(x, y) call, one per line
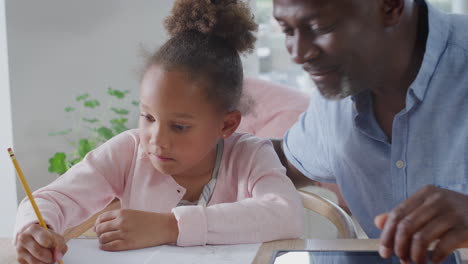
point(341, 257)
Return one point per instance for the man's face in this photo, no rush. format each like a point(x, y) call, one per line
point(338, 42)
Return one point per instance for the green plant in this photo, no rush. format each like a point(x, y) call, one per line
point(95, 130)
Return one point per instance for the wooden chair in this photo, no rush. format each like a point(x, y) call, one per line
point(85, 228)
point(330, 210)
point(316, 203)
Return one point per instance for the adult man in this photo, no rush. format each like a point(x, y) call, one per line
point(394, 135)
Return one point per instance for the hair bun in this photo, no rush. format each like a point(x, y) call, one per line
point(230, 20)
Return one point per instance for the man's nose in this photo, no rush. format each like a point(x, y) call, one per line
point(303, 48)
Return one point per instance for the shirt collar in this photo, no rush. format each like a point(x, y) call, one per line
point(436, 43)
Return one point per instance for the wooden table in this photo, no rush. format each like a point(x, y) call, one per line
point(7, 251)
point(267, 249)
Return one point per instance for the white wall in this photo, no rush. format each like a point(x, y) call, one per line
point(7, 174)
point(60, 49)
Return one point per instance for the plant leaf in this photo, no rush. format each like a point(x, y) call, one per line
point(57, 163)
point(119, 128)
point(105, 132)
point(119, 121)
point(73, 162)
point(119, 111)
point(118, 125)
point(92, 103)
point(82, 97)
point(92, 121)
point(116, 93)
point(135, 103)
point(84, 147)
point(69, 109)
point(60, 133)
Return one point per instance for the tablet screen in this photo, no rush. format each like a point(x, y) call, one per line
point(341, 257)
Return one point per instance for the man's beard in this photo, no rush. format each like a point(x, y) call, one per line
point(344, 90)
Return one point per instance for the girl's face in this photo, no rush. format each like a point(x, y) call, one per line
point(179, 127)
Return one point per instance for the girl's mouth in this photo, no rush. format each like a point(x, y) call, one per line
point(163, 158)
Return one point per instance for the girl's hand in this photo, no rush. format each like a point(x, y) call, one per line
point(131, 229)
point(38, 245)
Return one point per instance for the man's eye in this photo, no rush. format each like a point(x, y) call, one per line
point(180, 128)
point(320, 30)
point(288, 31)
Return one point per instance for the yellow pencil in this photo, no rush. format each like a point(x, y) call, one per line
point(27, 190)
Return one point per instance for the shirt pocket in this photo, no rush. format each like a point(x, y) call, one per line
point(452, 176)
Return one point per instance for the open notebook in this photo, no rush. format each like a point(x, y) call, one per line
point(87, 251)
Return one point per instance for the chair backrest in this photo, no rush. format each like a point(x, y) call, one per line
point(334, 213)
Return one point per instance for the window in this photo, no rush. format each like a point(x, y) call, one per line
point(274, 61)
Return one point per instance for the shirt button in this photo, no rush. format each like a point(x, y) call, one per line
point(400, 164)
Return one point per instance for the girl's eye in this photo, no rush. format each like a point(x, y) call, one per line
point(147, 117)
point(180, 128)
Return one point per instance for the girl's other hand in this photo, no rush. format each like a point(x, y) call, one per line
point(126, 229)
point(38, 245)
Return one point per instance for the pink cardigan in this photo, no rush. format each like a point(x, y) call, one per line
point(253, 201)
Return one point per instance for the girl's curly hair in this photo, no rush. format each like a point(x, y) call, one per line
point(207, 38)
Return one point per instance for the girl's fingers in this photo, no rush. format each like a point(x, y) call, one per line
point(60, 252)
point(108, 237)
point(40, 235)
point(106, 227)
point(24, 256)
point(40, 244)
point(115, 245)
point(38, 252)
point(107, 216)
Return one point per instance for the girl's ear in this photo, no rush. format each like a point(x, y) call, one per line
point(391, 11)
point(230, 123)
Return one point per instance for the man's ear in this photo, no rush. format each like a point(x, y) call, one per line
point(231, 122)
point(391, 11)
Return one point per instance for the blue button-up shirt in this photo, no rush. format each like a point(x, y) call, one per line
point(341, 141)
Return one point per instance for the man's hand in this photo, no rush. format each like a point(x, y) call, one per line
point(38, 245)
point(429, 215)
point(131, 229)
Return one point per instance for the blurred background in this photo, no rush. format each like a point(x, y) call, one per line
point(69, 77)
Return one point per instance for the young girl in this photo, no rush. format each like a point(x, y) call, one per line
point(184, 176)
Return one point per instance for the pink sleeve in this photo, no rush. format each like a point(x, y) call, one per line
point(271, 211)
point(84, 189)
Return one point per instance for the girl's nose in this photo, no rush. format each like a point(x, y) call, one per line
point(159, 137)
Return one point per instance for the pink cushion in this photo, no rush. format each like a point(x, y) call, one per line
point(277, 108)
